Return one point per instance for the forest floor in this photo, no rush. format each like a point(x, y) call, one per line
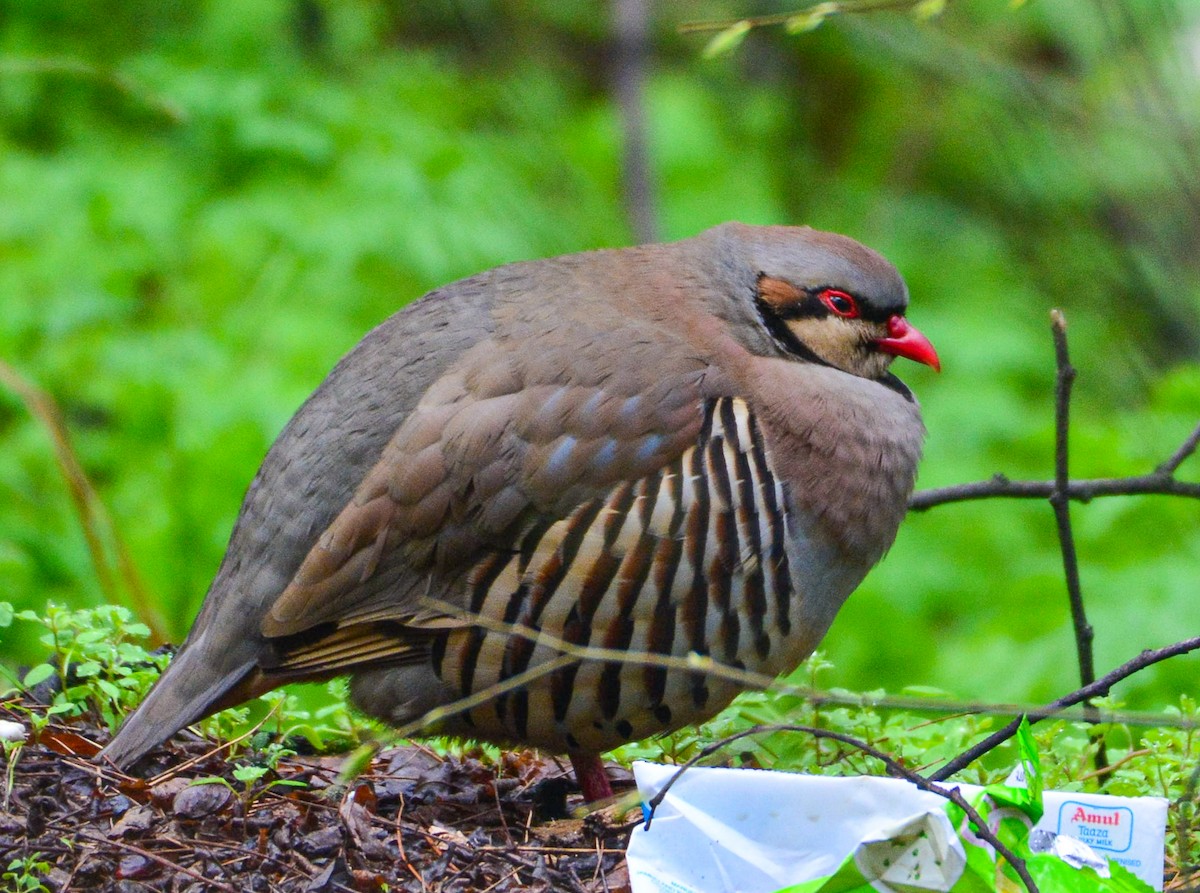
point(412, 820)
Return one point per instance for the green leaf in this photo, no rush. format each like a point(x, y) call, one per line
point(37, 675)
point(88, 668)
point(812, 18)
point(358, 761)
point(728, 40)
point(925, 691)
point(249, 774)
point(6, 614)
point(288, 783)
point(208, 779)
point(928, 9)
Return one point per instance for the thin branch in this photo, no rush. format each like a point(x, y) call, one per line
point(895, 768)
point(631, 21)
point(1161, 482)
point(94, 519)
point(1064, 379)
point(1000, 487)
point(1099, 688)
point(111, 78)
point(1084, 632)
point(161, 860)
point(569, 653)
point(1186, 449)
point(824, 9)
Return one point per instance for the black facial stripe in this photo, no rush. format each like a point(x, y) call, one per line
point(891, 381)
point(813, 307)
point(878, 314)
point(777, 325)
point(810, 308)
point(866, 311)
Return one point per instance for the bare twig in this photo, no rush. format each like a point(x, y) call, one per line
point(1064, 379)
point(895, 768)
point(1161, 482)
point(111, 78)
point(1085, 634)
point(93, 517)
point(1185, 449)
point(569, 652)
point(1099, 688)
point(1000, 487)
point(631, 19)
point(825, 9)
point(154, 857)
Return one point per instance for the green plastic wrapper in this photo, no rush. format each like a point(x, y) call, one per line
point(926, 854)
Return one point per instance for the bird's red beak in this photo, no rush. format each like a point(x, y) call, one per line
point(904, 340)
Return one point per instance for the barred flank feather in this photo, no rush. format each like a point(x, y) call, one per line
point(688, 559)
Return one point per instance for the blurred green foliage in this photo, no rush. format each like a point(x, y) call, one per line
point(204, 205)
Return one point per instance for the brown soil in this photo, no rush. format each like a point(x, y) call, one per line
point(413, 821)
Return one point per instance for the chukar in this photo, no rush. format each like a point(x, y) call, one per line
point(676, 448)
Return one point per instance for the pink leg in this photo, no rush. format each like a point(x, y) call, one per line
point(589, 771)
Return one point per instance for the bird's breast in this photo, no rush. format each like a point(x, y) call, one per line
point(581, 632)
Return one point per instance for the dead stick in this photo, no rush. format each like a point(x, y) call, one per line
point(1099, 688)
point(1065, 378)
point(1084, 632)
point(1186, 449)
point(89, 508)
point(154, 857)
point(1161, 481)
point(1000, 487)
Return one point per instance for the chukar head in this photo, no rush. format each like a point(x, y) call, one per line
point(825, 298)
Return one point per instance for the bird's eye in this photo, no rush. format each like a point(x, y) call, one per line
point(839, 302)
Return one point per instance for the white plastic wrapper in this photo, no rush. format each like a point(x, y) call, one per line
point(12, 731)
point(757, 831)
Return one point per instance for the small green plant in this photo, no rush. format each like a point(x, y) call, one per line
point(915, 740)
point(12, 754)
point(103, 669)
point(327, 727)
point(251, 774)
point(97, 656)
point(281, 716)
point(24, 875)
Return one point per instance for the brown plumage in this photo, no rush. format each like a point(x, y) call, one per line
point(691, 447)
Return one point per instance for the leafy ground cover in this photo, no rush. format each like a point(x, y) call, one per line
point(251, 803)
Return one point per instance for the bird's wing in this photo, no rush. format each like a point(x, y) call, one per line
point(507, 442)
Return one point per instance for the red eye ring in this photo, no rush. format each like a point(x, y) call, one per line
point(839, 302)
